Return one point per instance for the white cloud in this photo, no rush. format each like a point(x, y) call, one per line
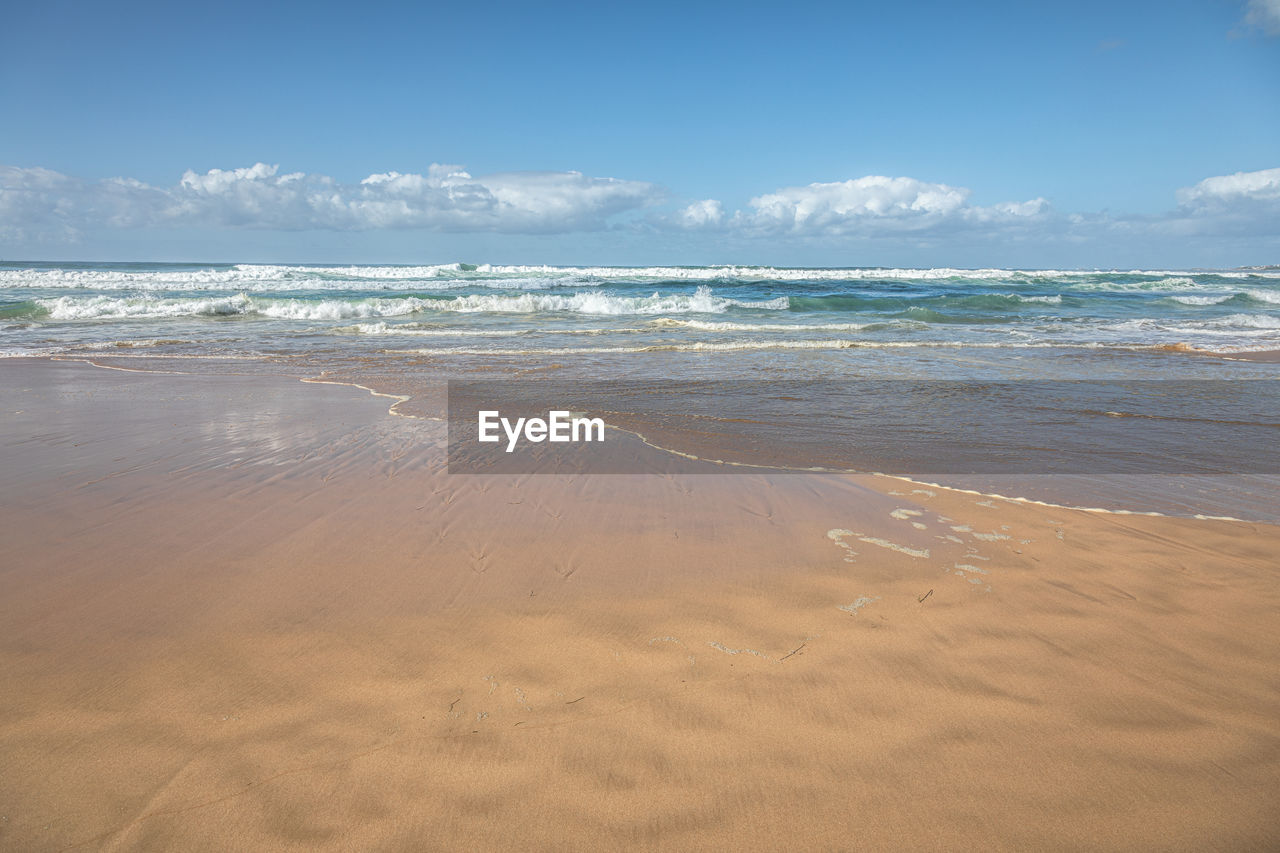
point(1264, 15)
point(217, 181)
point(447, 198)
point(1225, 191)
point(875, 205)
point(40, 206)
point(537, 199)
point(908, 211)
point(1009, 210)
point(707, 213)
point(835, 206)
point(1242, 204)
point(25, 208)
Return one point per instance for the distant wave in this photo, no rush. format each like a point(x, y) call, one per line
point(1271, 296)
point(1160, 285)
point(108, 307)
point(279, 279)
point(1203, 300)
point(274, 277)
point(144, 307)
point(701, 301)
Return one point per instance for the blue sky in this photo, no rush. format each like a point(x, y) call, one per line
point(1015, 133)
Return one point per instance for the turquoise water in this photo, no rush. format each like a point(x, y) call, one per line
point(460, 310)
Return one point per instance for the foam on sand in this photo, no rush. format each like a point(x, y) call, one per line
point(838, 535)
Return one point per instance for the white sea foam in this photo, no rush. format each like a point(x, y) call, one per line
point(919, 553)
point(111, 307)
point(1247, 321)
point(102, 307)
point(435, 331)
point(272, 279)
point(1240, 324)
point(858, 603)
point(716, 346)
point(269, 277)
point(1271, 296)
point(771, 344)
point(415, 330)
point(714, 326)
point(766, 273)
point(1168, 284)
point(701, 301)
point(33, 352)
point(1202, 300)
point(336, 309)
point(851, 274)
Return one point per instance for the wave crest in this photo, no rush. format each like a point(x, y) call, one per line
point(702, 301)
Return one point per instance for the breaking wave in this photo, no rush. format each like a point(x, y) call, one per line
point(702, 301)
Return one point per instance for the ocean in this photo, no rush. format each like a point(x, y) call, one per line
point(404, 329)
point(588, 313)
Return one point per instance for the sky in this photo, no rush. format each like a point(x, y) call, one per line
point(1088, 134)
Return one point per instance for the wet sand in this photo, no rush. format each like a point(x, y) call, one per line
point(252, 613)
point(1261, 356)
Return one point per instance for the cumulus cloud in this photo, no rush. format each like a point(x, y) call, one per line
point(707, 213)
point(1232, 191)
point(903, 209)
point(1264, 15)
point(447, 198)
point(1242, 204)
point(43, 206)
point(875, 204)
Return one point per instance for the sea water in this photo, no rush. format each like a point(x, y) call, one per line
point(467, 310)
point(408, 326)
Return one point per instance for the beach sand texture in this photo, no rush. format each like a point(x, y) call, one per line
point(253, 613)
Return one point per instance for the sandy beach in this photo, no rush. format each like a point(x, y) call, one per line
point(669, 427)
point(255, 613)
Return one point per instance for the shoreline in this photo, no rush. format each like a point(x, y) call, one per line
point(421, 409)
point(1259, 356)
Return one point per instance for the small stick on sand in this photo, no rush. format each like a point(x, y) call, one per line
point(923, 597)
point(796, 650)
point(579, 699)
